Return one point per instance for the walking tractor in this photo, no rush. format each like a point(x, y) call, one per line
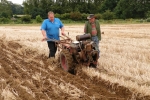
point(81, 51)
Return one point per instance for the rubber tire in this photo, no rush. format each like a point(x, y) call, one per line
point(66, 61)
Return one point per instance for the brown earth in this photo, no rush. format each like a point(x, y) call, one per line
point(21, 75)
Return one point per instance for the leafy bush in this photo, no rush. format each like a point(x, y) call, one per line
point(98, 16)
point(57, 15)
point(39, 19)
point(4, 20)
point(108, 15)
point(148, 19)
point(65, 16)
point(75, 16)
point(148, 14)
point(4, 15)
point(26, 19)
point(18, 21)
point(140, 20)
point(84, 16)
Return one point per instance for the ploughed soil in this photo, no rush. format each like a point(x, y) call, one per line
point(30, 76)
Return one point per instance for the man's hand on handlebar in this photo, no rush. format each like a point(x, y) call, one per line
point(62, 33)
point(44, 38)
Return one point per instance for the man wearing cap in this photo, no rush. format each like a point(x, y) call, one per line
point(92, 27)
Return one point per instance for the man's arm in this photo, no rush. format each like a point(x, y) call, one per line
point(44, 35)
point(62, 30)
point(43, 30)
point(85, 27)
point(98, 30)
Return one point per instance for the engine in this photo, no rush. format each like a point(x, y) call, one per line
point(83, 50)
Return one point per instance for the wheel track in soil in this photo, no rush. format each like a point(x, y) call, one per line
point(29, 77)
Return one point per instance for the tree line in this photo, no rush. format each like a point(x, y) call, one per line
point(7, 9)
point(119, 9)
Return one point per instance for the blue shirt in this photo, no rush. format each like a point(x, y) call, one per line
point(52, 28)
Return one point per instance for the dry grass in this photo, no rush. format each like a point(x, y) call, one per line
point(7, 94)
point(124, 59)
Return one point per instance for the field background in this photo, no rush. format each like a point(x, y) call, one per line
point(123, 71)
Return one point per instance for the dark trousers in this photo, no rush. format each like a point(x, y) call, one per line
point(52, 48)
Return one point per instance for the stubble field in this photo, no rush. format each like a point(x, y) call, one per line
point(123, 72)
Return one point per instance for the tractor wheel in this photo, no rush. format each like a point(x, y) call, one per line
point(66, 61)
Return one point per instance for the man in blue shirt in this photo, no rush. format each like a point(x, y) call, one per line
point(50, 30)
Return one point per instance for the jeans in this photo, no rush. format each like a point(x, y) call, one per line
point(96, 41)
point(52, 48)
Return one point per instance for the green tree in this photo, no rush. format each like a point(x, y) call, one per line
point(37, 7)
point(121, 8)
point(75, 16)
point(26, 19)
point(108, 15)
point(4, 20)
point(132, 8)
point(17, 9)
point(5, 9)
point(39, 19)
point(37, 11)
point(108, 5)
point(148, 14)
